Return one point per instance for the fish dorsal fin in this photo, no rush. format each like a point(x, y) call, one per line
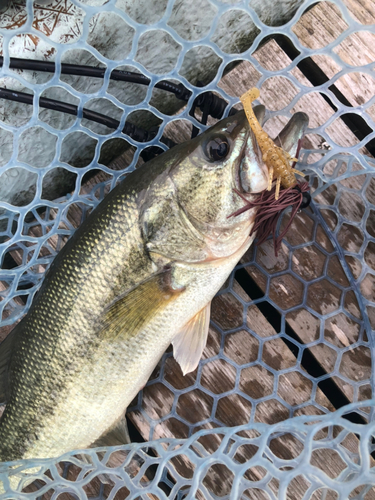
point(116, 435)
point(189, 343)
point(130, 312)
point(6, 348)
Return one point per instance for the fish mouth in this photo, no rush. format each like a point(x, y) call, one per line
point(251, 176)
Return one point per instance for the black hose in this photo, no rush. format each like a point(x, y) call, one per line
point(81, 70)
point(129, 129)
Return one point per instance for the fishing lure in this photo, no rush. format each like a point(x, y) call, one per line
point(278, 161)
point(272, 202)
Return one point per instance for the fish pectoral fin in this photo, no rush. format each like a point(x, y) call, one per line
point(189, 343)
point(129, 312)
point(6, 348)
point(116, 435)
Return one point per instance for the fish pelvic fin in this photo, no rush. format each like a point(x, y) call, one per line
point(189, 343)
point(130, 312)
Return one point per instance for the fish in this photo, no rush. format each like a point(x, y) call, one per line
point(139, 274)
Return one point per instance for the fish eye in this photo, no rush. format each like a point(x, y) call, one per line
point(217, 148)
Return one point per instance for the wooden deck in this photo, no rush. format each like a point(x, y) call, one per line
point(318, 27)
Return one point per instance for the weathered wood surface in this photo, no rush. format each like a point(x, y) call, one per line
point(242, 347)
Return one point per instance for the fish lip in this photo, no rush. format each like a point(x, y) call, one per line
point(241, 158)
point(249, 151)
point(237, 184)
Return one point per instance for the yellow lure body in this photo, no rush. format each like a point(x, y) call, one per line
point(277, 160)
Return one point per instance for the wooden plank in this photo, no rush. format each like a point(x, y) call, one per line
point(236, 83)
point(321, 26)
point(277, 92)
point(361, 10)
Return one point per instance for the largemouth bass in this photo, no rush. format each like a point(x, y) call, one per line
point(139, 274)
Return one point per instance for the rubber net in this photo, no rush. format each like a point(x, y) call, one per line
point(257, 421)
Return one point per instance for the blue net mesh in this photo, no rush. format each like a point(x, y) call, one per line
point(327, 457)
point(304, 317)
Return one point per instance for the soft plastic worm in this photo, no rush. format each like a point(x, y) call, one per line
point(277, 160)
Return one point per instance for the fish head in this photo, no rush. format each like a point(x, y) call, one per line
point(207, 180)
point(226, 160)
